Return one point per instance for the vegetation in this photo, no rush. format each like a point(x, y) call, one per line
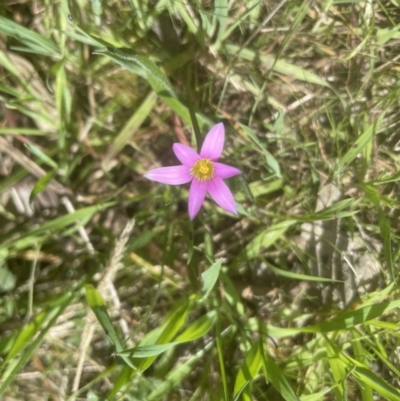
point(109, 291)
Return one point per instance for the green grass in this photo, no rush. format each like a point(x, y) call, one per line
point(109, 291)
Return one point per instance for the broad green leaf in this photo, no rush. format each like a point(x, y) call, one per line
point(221, 14)
point(41, 185)
point(266, 238)
point(386, 35)
point(279, 123)
point(210, 277)
point(249, 369)
point(7, 279)
point(27, 332)
point(198, 328)
point(261, 187)
point(338, 370)
point(91, 396)
point(231, 295)
point(242, 186)
point(174, 322)
point(146, 351)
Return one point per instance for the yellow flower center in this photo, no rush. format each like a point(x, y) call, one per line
point(203, 170)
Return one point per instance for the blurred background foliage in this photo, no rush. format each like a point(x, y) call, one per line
point(109, 291)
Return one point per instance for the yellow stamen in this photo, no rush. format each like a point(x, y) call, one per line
point(203, 170)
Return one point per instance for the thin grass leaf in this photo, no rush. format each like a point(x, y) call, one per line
point(189, 21)
point(34, 236)
point(172, 325)
point(336, 211)
point(347, 320)
point(23, 131)
point(47, 322)
point(34, 41)
point(362, 141)
point(131, 127)
point(41, 155)
point(360, 354)
point(97, 305)
point(299, 276)
point(385, 180)
point(279, 66)
point(273, 373)
point(316, 396)
point(62, 93)
point(196, 330)
point(178, 374)
point(385, 231)
point(146, 351)
point(344, 321)
point(366, 377)
point(142, 65)
point(250, 7)
point(270, 160)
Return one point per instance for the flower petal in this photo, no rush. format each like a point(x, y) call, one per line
point(220, 192)
point(197, 193)
point(185, 155)
point(224, 171)
point(213, 142)
point(175, 175)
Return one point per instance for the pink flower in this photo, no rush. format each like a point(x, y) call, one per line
point(205, 173)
